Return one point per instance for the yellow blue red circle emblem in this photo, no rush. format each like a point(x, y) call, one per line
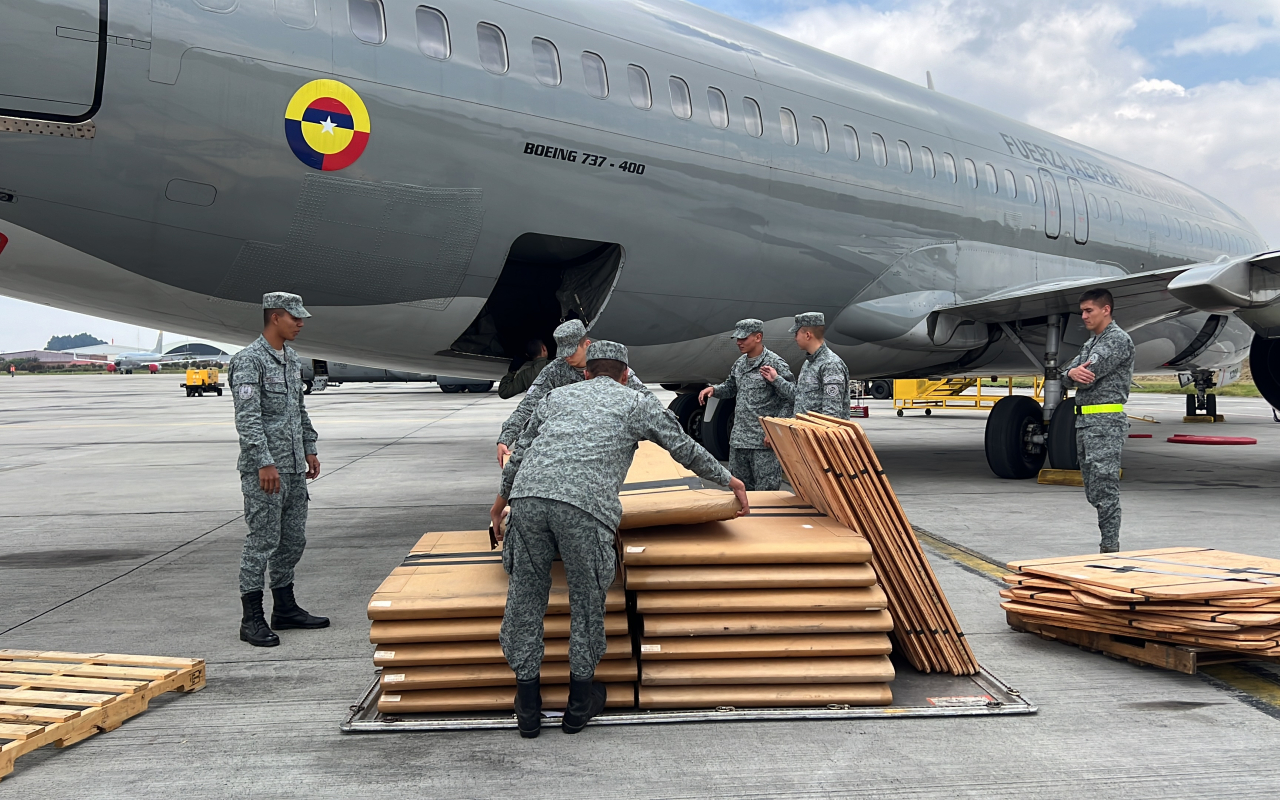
point(326, 125)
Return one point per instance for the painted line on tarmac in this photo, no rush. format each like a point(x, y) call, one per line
point(967, 557)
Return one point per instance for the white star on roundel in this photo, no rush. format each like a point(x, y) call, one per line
point(327, 125)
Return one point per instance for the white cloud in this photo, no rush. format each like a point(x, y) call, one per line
point(1233, 38)
point(1064, 67)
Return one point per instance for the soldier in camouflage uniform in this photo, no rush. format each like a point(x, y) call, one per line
point(761, 381)
point(566, 368)
point(277, 456)
point(1102, 373)
point(823, 385)
point(562, 482)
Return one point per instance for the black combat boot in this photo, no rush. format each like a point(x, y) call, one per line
point(286, 613)
point(529, 708)
point(253, 625)
point(586, 699)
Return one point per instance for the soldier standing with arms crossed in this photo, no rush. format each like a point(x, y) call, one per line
point(1101, 373)
point(753, 379)
point(562, 482)
point(277, 457)
point(823, 385)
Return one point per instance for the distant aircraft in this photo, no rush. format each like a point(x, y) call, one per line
point(443, 180)
point(152, 360)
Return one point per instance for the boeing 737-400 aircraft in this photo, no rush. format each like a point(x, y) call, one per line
point(444, 179)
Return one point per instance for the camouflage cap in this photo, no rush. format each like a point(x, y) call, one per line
point(746, 327)
point(610, 350)
point(568, 336)
point(289, 302)
point(809, 319)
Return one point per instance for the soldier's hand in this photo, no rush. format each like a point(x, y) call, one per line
point(704, 394)
point(503, 452)
point(269, 479)
point(1081, 375)
point(768, 373)
point(313, 467)
point(740, 491)
point(495, 517)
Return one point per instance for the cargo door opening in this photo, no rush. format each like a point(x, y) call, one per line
point(545, 281)
point(52, 59)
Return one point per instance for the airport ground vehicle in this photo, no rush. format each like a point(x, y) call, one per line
point(200, 381)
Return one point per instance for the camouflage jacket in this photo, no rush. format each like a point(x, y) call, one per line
point(579, 443)
point(557, 373)
point(756, 396)
point(823, 385)
point(1109, 356)
point(513, 383)
point(271, 418)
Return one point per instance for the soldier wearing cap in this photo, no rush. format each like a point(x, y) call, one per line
point(277, 456)
point(754, 380)
point(823, 385)
point(562, 482)
point(566, 368)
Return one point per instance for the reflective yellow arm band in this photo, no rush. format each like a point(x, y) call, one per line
point(1108, 408)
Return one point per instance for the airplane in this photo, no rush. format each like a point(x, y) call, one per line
point(151, 360)
point(442, 180)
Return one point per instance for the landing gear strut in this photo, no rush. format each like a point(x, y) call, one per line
point(1020, 432)
point(1202, 400)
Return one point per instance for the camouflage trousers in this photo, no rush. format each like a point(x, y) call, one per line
point(758, 469)
point(277, 530)
point(538, 528)
point(1099, 448)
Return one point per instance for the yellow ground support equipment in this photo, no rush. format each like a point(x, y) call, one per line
point(952, 393)
point(200, 381)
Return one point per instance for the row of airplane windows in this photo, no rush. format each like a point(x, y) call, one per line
point(368, 24)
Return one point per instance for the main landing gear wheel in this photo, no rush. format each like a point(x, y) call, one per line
point(1015, 440)
point(1061, 443)
point(881, 390)
point(688, 413)
point(715, 431)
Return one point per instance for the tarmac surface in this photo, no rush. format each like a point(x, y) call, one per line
point(120, 531)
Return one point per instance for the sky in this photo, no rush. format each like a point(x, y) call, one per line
point(1186, 87)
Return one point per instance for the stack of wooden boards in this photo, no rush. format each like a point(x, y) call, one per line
point(777, 609)
point(831, 465)
point(1184, 595)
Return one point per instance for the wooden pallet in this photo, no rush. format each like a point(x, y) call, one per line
point(64, 698)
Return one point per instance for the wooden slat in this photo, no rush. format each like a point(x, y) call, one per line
point(87, 670)
point(36, 697)
point(17, 732)
point(102, 658)
point(36, 714)
point(61, 682)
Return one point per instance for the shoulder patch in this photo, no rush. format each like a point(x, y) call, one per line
point(245, 391)
point(833, 390)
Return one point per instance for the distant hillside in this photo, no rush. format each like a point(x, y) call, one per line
point(71, 342)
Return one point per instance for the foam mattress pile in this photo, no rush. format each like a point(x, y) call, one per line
point(1184, 595)
point(777, 609)
point(435, 629)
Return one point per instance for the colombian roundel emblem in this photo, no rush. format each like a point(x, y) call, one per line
point(327, 125)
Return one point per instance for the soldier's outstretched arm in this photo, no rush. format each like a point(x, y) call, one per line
point(520, 417)
point(785, 383)
point(659, 427)
point(728, 388)
point(248, 409)
point(522, 445)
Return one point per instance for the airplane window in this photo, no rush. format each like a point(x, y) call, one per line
point(821, 142)
point(1199, 237)
point(681, 103)
point(367, 20)
point(493, 47)
point(879, 150)
point(949, 167)
point(751, 116)
point(717, 108)
point(971, 173)
point(1177, 226)
point(1030, 185)
point(593, 72)
point(1010, 183)
point(1092, 203)
point(217, 6)
point(904, 156)
point(1142, 218)
point(433, 33)
point(1213, 239)
point(546, 62)
point(641, 94)
point(1106, 209)
point(1119, 213)
point(299, 14)
point(926, 162)
point(790, 133)
point(852, 147)
point(992, 186)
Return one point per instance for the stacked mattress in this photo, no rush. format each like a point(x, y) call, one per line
point(780, 608)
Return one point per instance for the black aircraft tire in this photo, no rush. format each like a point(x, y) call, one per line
point(1191, 405)
point(881, 390)
point(450, 388)
point(1008, 454)
point(689, 413)
point(307, 385)
point(1264, 363)
point(715, 431)
point(483, 388)
point(1061, 443)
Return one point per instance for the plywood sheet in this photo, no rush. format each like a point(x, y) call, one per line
point(492, 698)
point(458, 676)
point(440, 653)
point(746, 696)
point(1170, 574)
point(652, 509)
point(443, 591)
point(772, 646)
point(868, 598)
point(653, 465)
point(747, 540)
point(475, 629)
point(768, 671)
point(751, 576)
point(663, 625)
point(1067, 619)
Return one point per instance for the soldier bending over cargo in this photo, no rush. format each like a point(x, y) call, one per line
point(1102, 374)
point(562, 482)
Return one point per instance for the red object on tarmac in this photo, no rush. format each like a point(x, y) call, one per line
point(1139, 436)
point(1186, 438)
point(859, 412)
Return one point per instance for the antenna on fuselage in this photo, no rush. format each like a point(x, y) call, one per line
point(928, 79)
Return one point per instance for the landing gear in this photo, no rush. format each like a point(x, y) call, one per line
point(881, 390)
point(1202, 403)
point(1061, 442)
point(717, 427)
point(689, 414)
point(1015, 439)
